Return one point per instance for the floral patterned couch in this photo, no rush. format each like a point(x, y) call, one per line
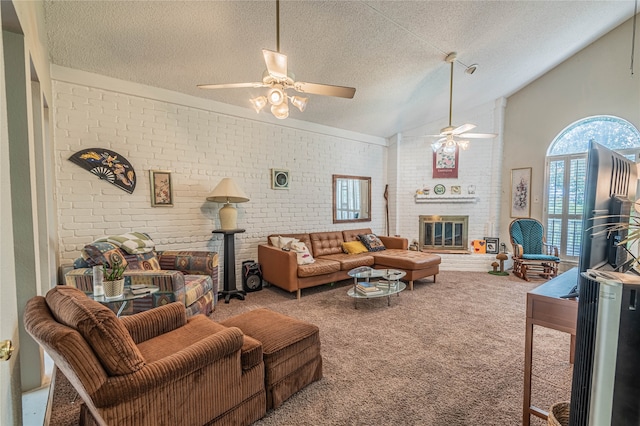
point(190, 277)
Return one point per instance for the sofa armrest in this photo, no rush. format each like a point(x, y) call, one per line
point(152, 323)
point(178, 366)
point(394, 242)
point(167, 281)
point(279, 267)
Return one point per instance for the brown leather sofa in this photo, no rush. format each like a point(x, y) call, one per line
point(280, 267)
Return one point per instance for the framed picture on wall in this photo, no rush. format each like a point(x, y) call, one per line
point(161, 188)
point(493, 245)
point(445, 164)
point(521, 192)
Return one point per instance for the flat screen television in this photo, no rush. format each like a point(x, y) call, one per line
point(609, 191)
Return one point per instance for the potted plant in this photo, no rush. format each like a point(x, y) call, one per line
point(113, 280)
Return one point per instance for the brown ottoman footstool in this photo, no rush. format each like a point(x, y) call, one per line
point(290, 347)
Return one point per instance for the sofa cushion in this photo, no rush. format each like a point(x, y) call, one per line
point(371, 242)
point(324, 243)
point(352, 234)
point(406, 260)
point(354, 247)
point(319, 267)
point(142, 261)
point(99, 326)
point(351, 261)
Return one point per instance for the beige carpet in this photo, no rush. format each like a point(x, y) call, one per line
point(449, 353)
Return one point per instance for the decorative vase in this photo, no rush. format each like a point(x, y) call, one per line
point(113, 289)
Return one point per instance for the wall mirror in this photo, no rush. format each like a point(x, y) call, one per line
point(351, 199)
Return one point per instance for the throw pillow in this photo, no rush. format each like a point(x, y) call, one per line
point(275, 241)
point(354, 247)
point(287, 242)
point(371, 242)
point(302, 253)
point(103, 253)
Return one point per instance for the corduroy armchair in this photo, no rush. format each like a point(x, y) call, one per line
point(152, 368)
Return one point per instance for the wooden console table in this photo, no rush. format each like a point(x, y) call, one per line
point(545, 308)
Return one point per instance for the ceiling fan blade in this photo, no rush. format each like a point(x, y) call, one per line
point(463, 128)
point(325, 89)
point(230, 85)
point(479, 135)
point(276, 63)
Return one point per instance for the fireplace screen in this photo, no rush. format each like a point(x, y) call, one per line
point(443, 232)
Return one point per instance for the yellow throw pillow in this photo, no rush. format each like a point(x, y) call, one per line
point(354, 247)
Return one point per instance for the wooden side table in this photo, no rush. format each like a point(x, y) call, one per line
point(230, 287)
point(545, 308)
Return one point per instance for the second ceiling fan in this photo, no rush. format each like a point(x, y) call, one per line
point(451, 137)
point(278, 79)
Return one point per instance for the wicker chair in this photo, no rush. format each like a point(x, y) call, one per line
point(531, 254)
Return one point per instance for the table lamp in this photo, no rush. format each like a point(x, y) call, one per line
point(228, 192)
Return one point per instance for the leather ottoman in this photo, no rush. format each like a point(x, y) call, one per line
point(290, 347)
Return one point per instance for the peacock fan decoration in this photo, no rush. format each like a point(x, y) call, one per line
point(107, 165)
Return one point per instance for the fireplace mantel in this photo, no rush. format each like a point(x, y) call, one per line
point(446, 199)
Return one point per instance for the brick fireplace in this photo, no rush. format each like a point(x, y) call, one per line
point(447, 234)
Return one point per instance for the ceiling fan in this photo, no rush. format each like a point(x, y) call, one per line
point(278, 79)
point(451, 137)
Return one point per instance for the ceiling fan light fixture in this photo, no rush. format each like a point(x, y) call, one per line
point(258, 103)
point(276, 95)
point(280, 111)
point(463, 145)
point(299, 102)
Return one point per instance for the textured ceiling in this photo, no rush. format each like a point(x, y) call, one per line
point(392, 52)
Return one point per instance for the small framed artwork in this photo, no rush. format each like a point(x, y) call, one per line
point(279, 179)
point(455, 190)
point(521, 192)
point(445, 164)
point(493, 245)
point(161, 188)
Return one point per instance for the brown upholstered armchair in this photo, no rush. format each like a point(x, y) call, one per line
point(155, 367)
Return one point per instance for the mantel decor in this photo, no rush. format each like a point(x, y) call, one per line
point(107, 165)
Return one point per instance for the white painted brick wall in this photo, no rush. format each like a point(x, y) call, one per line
point(199, 147)
point(477, 166)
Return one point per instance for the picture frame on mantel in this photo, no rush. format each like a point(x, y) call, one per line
point(161, 188)
point(521, 192)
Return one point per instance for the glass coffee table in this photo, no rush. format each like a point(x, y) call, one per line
point(369, 283)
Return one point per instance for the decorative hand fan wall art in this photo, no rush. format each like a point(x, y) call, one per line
point(107, 165)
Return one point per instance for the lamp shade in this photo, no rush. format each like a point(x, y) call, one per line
point(228, 191)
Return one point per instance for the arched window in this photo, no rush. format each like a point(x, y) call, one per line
point(566, 168)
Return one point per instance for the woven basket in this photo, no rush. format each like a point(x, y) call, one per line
point(113, 289)
point(559, 414)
